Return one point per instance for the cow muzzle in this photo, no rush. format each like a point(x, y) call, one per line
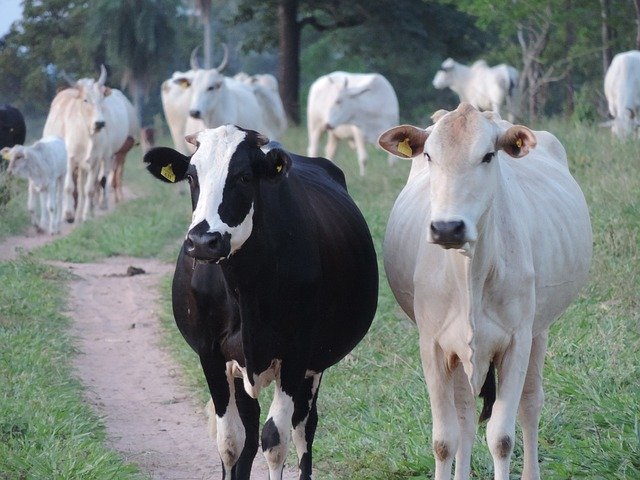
point(209, 247)
point(449, 234)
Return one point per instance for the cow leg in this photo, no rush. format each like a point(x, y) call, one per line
point(332, 145)
point(58, 201)
point(51, 207)
point(304, 421)
point(231, 436)
point(32, 200)
point(314, 140)
point(466, 408)
point(361, 150)
point(502, 425)
point(43, 222)
point(68, 202)
point(440, 385)
point(276, 433)
point(530, 407)
point(89, 193)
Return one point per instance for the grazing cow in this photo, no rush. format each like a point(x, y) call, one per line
point(622, 89)
point(358, 106)
point(13, 130)
point(94, 127)
point(487, 244)
point(484, 87)
point(276, 280)
point(44, 164)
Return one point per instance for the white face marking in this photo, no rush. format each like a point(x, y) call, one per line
point(212, 165)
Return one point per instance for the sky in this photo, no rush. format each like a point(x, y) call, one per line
point(10, 11)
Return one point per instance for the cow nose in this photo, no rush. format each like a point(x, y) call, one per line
point(195, 113)
point(449, 234)
point(328, 126)
point(99, 125)
point(209, 246)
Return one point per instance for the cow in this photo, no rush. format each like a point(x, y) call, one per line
point(484, 87)
point(487, 244)
point(276, 279)
point(13, 130)
point(353, 106)
point(622, 90)
point(44, 165)
point(265, 88)
point(94, 127)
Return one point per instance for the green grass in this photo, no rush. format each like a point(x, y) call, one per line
point(374, 412)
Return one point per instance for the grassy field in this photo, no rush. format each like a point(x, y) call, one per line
point(374, 413)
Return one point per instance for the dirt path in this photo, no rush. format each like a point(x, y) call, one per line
point(132, 383)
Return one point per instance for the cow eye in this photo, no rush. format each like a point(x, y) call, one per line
point(426, 155)
point(488, 157)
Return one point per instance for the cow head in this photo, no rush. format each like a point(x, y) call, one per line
point(224, 174)
point(461, 150)
point(207, 87)
point(92, 93)
point(347, 107)
point(444, 76)
point(17, 158)
point(625, 124)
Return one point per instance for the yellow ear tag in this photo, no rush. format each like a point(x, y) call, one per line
point(167, 172)
point(519, 142)
point(404, 148)
point(6, 156)
point(279, 168)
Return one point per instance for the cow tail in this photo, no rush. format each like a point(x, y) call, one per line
point(488, 393)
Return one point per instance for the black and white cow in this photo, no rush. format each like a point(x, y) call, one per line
point(277, 279)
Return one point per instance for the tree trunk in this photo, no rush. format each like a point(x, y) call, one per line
point(636, 3)
point(605, 7)
point(289, 58)
point(207, 43)
point(569, 38)
point(137, 92)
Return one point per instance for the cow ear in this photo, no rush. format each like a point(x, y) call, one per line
point(516, 141)
point(5, 153)
point(277, 164)
point(166, 164)
point(404, 141)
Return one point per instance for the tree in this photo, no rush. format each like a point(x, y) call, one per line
point(139, 36)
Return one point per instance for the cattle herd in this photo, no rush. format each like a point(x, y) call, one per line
point(277, 279)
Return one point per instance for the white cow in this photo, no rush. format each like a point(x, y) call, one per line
point(486, 245)
point(44, 164)
point(622, 89)
point(94, 129)
point(484, 87)
point(358, 106)
point(265, 88)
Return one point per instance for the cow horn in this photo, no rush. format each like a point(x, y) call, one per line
point(103, 75)
point(195, 65)
point(225, 57)
point(67, 78)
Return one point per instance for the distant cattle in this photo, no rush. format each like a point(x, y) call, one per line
point(486, 245)
point(95, 122)
point(622, 89)
point(44, 164)
point(265, 88)
point(484, 87)
point(13, 130)
point(350, 106)
point(276, 280)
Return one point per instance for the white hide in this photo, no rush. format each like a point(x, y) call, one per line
point(265, 88)
point(350, 106)
point(622, 89)
point(527, 255)
point(484, 87)
point(44, 165)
